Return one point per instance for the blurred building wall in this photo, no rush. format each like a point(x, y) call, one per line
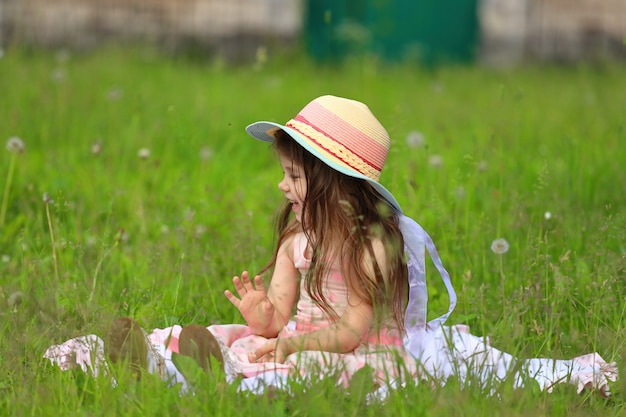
point(556, 30)
point(230, 27)
point(511, 30)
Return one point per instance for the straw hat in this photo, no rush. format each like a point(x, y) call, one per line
point(342, 133)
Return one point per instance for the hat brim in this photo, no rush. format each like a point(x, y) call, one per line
point(259, 130)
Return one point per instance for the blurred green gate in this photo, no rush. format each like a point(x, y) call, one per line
point(425, 31)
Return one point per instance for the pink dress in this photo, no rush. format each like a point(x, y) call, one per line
point(443, 352)
point(382, 351)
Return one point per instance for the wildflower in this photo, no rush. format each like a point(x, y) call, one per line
point(415, 139)
point(143, 153)
point(500, 246)
point(96, 148)
point(435, 161)
point(547, 215)
point(47, 199)
point(15, 145)
point(6, 258)
point(467, 276)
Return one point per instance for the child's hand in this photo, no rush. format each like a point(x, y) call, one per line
point(253, 303)
point(274, 350)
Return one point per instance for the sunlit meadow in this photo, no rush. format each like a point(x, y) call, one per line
point(136, 192)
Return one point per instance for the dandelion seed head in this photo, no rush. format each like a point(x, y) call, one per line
point(47, 199)
point(437, 87)
point(91, 241)
point(500, 246)
point(143, 153)
point(435, 161)
point(62, 56)
point(165, 229)
point(189, 214)
point(415, 139)
point(460, 192)
point(6, 258)
point(123, 236)
point(96, 148)
point(58, 75)
point(547, 215)
point(199, 230)
point(15, 145)
point(482, 166)
point(114, 94)
point(206, 153)
point(273, 82)
point(15, 299)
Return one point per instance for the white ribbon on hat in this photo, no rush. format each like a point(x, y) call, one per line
point(418, 330)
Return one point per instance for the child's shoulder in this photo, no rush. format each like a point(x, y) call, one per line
point(291, 243)
point(375, 256)
point(378, 246)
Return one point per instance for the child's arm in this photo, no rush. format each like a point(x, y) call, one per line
point(343, 336)
point(267, 312)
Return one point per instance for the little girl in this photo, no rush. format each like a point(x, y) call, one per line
point(352, 265)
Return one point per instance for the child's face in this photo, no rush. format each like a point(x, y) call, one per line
point(293, 185)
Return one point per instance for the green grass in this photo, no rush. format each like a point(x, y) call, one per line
point(159, 239)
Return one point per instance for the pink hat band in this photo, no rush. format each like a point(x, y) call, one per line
point(346, 132)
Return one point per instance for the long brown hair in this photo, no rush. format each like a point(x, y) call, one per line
point(341, 215)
